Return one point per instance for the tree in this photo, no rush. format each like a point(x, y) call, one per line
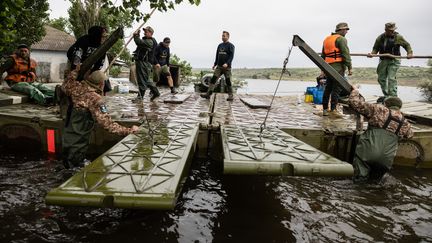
point(86, 13)
point(21, 21)
point(60, 24)
point(185, 67)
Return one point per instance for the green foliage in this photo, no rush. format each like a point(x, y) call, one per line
point(185, 67)
point(132, 7)
point(60, 24)
point(426, 88)
point(115, 71)
point(21, 21)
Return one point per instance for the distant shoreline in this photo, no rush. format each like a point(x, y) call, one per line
point(407, 76)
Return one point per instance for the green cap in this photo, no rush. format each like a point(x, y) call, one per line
point(149, 29)
point(96, 78)
point(393, 102)
point(342, 26)
point(390, 26)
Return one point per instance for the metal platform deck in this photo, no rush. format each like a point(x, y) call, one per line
point(304, 121)
point(275, 152)
point(141, 171)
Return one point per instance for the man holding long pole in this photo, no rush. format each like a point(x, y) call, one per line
point(389, 43)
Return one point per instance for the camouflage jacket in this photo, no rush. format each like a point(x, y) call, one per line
point(86, 97)
point(377, 115)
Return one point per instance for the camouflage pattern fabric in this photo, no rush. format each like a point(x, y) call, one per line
point(86, 98)
point(377, 115)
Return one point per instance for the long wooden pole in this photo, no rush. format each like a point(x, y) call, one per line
point(130, 39)
point(385, 55)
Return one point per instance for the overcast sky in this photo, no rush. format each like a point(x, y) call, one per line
point(262, 30)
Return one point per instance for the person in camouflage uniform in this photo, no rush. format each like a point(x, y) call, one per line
point(389, 43)
point(336, 53)
point(88, 107)
point(144, 61)
point(378, 145)
point(21, 76)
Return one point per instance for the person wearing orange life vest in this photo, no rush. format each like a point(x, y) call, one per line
point(335, 52)
point(21, 76)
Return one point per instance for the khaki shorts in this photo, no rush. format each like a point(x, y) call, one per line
point(163, 70)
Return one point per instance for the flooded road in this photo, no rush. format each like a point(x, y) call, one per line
point(218, 208)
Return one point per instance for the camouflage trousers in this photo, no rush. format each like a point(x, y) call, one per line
point(374, 154)
point(37, 91)
point(219, 71)
point(76, 135)
point(143, 74)
point(386, 70)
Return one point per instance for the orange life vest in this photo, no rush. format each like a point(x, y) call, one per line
point(331, 52)
point(20, 70)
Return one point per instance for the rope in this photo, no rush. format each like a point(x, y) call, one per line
point(130, 39)
point(263, 125)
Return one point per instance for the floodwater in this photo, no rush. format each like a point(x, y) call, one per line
point(265, 86)
point(217, 208)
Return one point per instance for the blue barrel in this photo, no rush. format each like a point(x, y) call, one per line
point(318, 96)
point(311, 90)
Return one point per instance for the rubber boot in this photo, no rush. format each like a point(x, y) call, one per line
point(209, 91)
point(173, 90)
point(230, 93)
point(155, 92)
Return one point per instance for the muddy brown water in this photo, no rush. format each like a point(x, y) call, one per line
point(217, 208)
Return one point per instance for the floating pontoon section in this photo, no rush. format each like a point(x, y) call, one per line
point(254, 103)
point(142, 171)
point(275, 153)
point(176, 99)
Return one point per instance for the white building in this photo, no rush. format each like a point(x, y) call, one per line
point(50, 53)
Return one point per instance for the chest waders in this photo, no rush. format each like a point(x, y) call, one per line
point(79, 124)
point(375, 151)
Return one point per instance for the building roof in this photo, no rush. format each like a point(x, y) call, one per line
point(54, 40)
